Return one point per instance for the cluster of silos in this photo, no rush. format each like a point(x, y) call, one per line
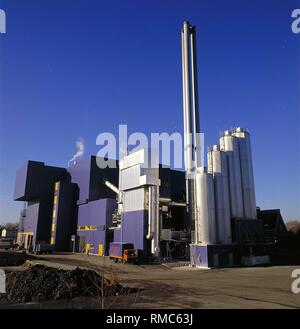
point(229, 185)
point(226, 189)
point(237, 147)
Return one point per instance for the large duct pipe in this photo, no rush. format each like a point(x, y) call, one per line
point(119, 194)
point(153, 220)
point(156, 237)
point(150, 214)
point(169, 202)
point(112, 186)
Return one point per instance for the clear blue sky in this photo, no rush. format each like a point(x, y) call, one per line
point(71, 68)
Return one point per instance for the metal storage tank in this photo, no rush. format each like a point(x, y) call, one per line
point(248, 187)
point(217, 164)
point(229, 144)
point(205, 228)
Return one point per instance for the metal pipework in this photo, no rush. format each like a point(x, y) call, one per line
point(149, 236)
point(112, 186)
point(169, 202)
point(119, 194)
point(153, 220)
point(156, 236)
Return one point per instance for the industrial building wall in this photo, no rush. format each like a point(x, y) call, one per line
point(65, 221)
point(165, 182)
point(35, 179)
point(27, 181)
point(43, 231)
point(29, 219)
point(95, 241)
point(89, 178)
point(35, 184)
point(80, 174)
point(172, 184)
point(135, 230)
point(97, 188)
point(177, 185)
point(94, 219)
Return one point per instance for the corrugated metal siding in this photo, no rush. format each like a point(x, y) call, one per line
point(135, 158)
point(134, 200)
point(130, 177)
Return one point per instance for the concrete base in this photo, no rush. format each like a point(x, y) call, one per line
point(208, 256)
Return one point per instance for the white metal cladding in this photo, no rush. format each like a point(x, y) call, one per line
point(130, 177)
point(133, 159)
point(135, 200)
point(216, 160)
point(229, 144)
point(147, 158)
point(149, 180)
point(246, 173)
point(205, 226)
point(218, 164)
point(136, 176)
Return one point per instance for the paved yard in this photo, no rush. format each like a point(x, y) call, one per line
point(164, 286)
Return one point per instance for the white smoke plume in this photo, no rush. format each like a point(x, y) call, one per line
point(80, 149)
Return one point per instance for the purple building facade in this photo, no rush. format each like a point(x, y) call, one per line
point(72, 209)
point(59, 201)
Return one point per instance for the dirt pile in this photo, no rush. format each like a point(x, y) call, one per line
point(41, 283)
point(13, 258)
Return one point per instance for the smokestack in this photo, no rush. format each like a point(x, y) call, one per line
point(190, 115)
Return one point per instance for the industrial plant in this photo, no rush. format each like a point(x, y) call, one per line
point(205, 215)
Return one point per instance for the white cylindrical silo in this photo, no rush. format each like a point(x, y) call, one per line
point(246, 164)
point(229, 144)
point(205, 226)
point(217, 163)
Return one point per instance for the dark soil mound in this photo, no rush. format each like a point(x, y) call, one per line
point(13, 258)
point(41, 283)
